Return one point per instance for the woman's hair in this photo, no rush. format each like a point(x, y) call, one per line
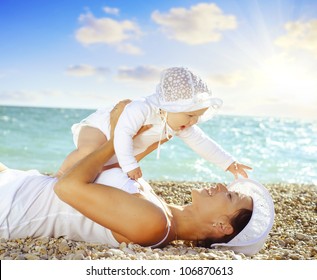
point(238, 222)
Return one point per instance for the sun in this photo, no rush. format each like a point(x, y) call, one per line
point(291, 78)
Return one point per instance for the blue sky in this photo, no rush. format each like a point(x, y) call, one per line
point(260, 57)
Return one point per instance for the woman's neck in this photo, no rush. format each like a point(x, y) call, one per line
point(186, 225)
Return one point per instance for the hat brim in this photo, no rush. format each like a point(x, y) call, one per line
point(252, 238)
point(185, 105)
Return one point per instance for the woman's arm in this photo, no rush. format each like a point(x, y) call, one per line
point(112, 208)
point(140, 156)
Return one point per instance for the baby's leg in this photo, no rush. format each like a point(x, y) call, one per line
point(89, 139)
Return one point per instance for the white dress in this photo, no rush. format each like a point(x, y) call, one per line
point(29, 207)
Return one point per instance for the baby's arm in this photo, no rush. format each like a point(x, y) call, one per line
point(207, 148)
point(89, 139)
point(131, 120)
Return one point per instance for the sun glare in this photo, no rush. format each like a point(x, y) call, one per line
point(289, 78)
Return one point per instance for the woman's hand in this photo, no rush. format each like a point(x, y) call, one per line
point(148, 150)
point(237, 168)
point(135, 173)
point(115, 114)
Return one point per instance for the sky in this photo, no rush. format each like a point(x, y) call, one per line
point(259, 57)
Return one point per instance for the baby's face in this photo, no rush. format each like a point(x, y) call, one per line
point(181, 121)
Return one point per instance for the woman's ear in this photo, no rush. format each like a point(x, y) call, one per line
point(223, 225)
point(226, 228)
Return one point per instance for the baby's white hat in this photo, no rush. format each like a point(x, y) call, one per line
point(180, 90)
point(252, 238)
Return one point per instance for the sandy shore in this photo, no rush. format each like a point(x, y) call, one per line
point(294, 234)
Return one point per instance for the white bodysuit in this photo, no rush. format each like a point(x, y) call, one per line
point(29, 207)
point(141, 112)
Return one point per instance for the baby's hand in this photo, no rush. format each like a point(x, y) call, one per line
point(237, 168)
point(135, 173)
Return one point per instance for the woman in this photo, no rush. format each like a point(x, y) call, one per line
point(80, 207)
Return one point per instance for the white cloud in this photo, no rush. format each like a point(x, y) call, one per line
point(202, 23)
point(85, 70)
point(140, 73)
point(29, 97)
point(78, 98)
point(106, 31)
point(300, 36)
point(129, 49)
point(111, 11)
point(226, 79)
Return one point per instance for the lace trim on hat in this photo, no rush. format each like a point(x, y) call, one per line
point(179, 83)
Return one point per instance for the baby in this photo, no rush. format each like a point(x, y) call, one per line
point(180, 101)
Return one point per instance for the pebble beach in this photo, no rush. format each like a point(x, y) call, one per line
point(293, 236)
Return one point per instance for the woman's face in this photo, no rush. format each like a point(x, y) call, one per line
point(218, 201)
point(180, 121)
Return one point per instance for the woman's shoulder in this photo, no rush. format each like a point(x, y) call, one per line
point(157, 220)
point(152, 233)
point(154, 229)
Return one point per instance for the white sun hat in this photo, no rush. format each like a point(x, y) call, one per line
point(180, 90)
point(252, 238)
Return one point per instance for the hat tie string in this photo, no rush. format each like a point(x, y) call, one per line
point(164, 130)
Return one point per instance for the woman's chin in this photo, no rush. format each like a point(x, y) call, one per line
point(197, 192)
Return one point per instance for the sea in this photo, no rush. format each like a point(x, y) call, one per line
point(279, 150)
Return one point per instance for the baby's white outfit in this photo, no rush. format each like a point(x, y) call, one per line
point(29, 207)
point(141, 112)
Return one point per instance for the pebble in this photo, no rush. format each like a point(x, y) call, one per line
point(63, 246)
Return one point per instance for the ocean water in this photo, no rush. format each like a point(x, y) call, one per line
point(278, 150)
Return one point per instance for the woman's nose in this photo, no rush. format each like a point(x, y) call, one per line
point(221, 188)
